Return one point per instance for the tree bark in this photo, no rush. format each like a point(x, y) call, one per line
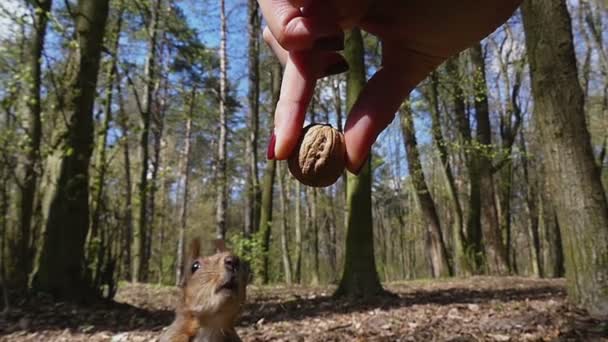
point(461, 262)
point(286, 258)
point(495, 251)
point(185, 175)
point(95, 247)
point(252, 210)
point(31, 164)
point(298, 232)
point(128, 183)
point(141, 230)
point(473, 244)
point(440, 265)
point(265, 223)
point(573, 177)
point(221, 171)
point(65, 205)
point(359, 278)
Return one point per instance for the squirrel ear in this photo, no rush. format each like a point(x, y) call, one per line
point(220, 246)
point(195, 248)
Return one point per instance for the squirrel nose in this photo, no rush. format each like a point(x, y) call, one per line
point(231, 263)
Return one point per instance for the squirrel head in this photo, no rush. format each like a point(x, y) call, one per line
point(214, 287)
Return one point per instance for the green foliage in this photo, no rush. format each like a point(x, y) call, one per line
point(251, 249)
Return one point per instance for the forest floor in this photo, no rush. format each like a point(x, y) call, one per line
point(474, 309)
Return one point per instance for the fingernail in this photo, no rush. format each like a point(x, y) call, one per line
point(329, 43)
point(271, 143)
point(336, 68)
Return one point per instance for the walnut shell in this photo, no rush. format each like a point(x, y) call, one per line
point(320, 156)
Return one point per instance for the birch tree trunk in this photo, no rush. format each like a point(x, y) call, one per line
point(185, 176)
point(221, 171)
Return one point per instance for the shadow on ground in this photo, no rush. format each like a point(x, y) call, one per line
point(481, 308)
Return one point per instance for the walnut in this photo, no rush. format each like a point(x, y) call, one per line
point(320, 156)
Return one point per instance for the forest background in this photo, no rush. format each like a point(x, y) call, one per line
point(129, 127)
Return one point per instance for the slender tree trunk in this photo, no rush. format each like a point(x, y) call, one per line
point(141, 223)
point(496, 257)
point(59, 269)
point(4, 204)
point(574, 179)
point(298, 232)
point(360, 278)
point(284, 245)
point(265, 223)
point(128, 185)
point(222, 176)
point(314, 231)
point(531, 203)
point(473, 245)
point(29, 183)
point(461, 262)
point(253, 96)
point(157, 132)
point(95, 249)
point(438, 254)
point(185, 175)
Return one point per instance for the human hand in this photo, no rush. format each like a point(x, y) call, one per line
point(416, 35)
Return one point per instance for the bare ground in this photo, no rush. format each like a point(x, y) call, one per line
point(474, 309)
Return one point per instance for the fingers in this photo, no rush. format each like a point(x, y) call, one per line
point(302, 69)
point(295, 32)
point(298, 84)
point(381, 97)
point(274, 45)
point(373, 111)
point(323, 63)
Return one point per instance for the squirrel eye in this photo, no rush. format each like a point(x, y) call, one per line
point(195, 266)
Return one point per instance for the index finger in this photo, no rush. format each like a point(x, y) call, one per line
point(296, 32)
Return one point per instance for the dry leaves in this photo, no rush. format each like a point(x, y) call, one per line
point(477, 309)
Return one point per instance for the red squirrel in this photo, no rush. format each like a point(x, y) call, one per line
point(212, 296)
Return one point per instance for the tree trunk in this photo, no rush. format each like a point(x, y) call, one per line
point(185, 175)
point(314, 233)
point(573, 177)
point(359, 278)
point(65, 205)
point(31, 164)
point(531, 204)
point(221, 172)
point(461, 262)
point(157, 130)
point(551, 246)
point(495, 251)
point(473, 246)
point(94, 243)
point(298, 232)
point(252, 211)
point(284, 245)
point(140, 231)
point(440, 265)
point(265, 223)
point(128, 185)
